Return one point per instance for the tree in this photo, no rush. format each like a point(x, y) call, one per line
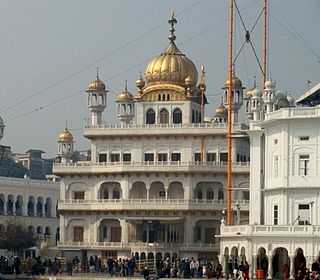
point(16, 237)
point(10, 168)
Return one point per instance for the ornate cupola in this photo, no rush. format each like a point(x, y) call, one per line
point(256, 104)
point(247, 100)
point(171, 72)
point(65, 145)
point(221, 114)
point(237, 99)
point(269, 94)
point(125, 106)
point(97, 99)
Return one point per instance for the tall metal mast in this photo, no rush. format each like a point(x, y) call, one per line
point(229, 137)
point(264, 74)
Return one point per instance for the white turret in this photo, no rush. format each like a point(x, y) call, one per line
point(125, 106)
point(237, 97)
point(269, 94)
point(65, 146)
point(97, 100)
point(256, 104)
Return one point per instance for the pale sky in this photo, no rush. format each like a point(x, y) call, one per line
point(49, 51)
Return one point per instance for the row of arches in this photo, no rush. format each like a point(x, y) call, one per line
point(175, 190)
point(278, 265)
point(203, 191)
point(202, 231)
point(163, 116)
point(40, 207)
point(39, 231)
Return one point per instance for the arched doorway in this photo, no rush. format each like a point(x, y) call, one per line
point(281, 263)
point(299, 261)
point(262, 260)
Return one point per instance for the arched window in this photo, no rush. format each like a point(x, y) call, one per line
point(164, 116)
point(31, 206)
point(210, 194)
point(150, 117)
point(177, 116)
point(39, 207)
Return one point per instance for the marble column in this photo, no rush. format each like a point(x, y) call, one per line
point(124, 231)
point(253, 270)
point(292, 276)
point(270, 269)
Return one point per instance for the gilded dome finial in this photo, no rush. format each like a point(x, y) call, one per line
point(254, 81)
point(126, 85)
point(172, 21)
point(97, 72)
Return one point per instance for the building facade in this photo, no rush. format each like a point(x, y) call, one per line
point(155, 184)
point(283, 231)
point(33, 204)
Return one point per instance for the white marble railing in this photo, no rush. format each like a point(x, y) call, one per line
point(150, 204)
point(151, 163)
point(27, 182)
point(136, 245)
point(295, 113)
point(238, 126)
point(262, 230)
point(151, 201)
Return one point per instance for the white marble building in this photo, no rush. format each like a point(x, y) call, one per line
point(284, 223)
point(155, 185)
point(33, 204)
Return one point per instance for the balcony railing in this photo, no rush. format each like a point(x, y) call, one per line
point(150, 204)
point(294, 113)
point(151, 163)
point(279, 230)
point(137, 245)
point(238, 126)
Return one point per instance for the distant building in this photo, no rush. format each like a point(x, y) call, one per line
point(32, 203)
point(37, 166)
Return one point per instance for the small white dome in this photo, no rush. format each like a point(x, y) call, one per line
point(256, 92)
point(270, 84)
point(290, 99)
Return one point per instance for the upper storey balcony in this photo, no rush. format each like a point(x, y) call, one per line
point(148, 167)
point(294, 113)
point(194, 129)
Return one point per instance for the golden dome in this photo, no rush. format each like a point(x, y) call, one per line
point(140, 82)
point(97, 85)
point(125, 96)
point(171, 67)
point(221, 111)
point(236, 82)
point(65, 136)
point(249, 92)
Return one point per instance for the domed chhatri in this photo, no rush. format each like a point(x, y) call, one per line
point(221, 111)
point(97, 84)
point(171, 66)
point(65, 136)
point(236, 82)
point(125, 95)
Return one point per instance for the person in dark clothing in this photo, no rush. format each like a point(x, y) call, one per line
point(146, 273)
